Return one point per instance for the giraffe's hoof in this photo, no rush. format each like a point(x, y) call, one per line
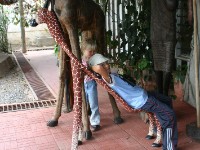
point(118, 120)
point(156, 145)
point(80, 142)
point(67, 110)
point(149, 137)
point(88, 135)
point(52, 123)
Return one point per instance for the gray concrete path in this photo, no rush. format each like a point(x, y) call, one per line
point(45, 64)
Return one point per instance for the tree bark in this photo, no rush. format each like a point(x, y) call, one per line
point(196, 60)
point(22, 21)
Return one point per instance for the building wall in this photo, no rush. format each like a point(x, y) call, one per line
point(35, 36)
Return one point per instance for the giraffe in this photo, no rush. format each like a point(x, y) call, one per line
point(80, 14)
point(56, 32)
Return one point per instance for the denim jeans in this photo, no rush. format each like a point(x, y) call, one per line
point(92, 98)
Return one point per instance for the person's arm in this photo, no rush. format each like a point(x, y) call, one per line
point(103, 72)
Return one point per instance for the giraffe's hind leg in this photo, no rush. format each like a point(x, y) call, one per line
point(153, 122)
point(85, 119)
point(68, 95)
point(158, 140)
point(80, 136)
point(150, 134)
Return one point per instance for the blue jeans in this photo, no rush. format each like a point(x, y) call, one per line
point(92, 98)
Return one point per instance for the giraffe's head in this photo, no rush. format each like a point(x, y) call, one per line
point(41, 15)
point(38, 18)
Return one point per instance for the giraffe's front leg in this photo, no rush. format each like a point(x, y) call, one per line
point(77, 122)
point(116, 112)
point(80, 135)
point(84, 128)
point(72, 30)
point(54, 120)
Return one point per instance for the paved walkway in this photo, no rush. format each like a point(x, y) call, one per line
point(27, 130)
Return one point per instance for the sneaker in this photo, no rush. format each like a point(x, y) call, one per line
point(95, 127)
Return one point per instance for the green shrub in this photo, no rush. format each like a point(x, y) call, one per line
point(4, 45)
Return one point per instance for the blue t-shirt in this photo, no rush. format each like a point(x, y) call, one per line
point(135, 96)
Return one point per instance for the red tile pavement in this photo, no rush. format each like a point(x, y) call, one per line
point(27, 130)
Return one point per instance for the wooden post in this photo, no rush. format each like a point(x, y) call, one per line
point(21, 11)
point(196, 56)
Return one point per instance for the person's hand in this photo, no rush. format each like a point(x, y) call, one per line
point(97, 68)
point(102, 71)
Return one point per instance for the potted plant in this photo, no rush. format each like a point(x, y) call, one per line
point(178, 79)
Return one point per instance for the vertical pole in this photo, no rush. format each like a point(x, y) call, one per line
point(118, 21)
point(109, 22)
point(123, 16)
point(196, 55)
point(113, 26)
point(21, 11)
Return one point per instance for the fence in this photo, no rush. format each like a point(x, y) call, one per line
point(125, 23)
point(115, 13)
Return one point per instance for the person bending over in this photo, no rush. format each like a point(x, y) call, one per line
point(137, 98)
point(88, 49)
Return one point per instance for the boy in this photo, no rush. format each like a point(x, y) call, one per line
point(138, 98)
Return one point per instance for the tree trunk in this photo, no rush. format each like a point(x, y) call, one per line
point(22, 21)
